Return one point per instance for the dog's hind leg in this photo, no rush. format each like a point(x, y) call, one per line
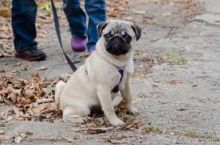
point(58, 90)
point(75, 115)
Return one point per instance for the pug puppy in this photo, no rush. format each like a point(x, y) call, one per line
point(105, 73)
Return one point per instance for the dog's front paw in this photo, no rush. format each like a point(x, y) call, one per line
point(117, 122)
point(132, 110)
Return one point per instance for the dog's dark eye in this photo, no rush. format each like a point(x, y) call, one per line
point(108, 35)
point(127, 38)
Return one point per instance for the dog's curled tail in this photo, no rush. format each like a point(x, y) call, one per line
point(58, 90)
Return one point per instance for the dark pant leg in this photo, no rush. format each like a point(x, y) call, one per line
point(96, 11)
point(76, 18)
point(23, 24)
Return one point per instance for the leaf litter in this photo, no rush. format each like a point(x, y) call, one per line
point(28, 99)
point(97, 123)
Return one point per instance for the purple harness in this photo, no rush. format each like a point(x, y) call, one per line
point(116, 88)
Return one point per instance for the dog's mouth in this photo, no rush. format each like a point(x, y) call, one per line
point(117, 46)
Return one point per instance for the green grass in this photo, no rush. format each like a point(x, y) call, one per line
point(176, 59)
point(191, 133)
point(45, 7)
point(149, 128)
point(211, 137)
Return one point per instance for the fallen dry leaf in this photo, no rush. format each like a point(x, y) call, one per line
point(19, 138)
point(2, 131)
point(42, 68)
point(97, 130)
point(18, 64)
point(117, 139)
point(5, 137)
point(175, 82)
point(114, 141)
point(45, 100)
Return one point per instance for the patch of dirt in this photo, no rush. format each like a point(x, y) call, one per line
point(144, 62)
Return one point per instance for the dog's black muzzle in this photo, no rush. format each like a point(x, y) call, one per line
point(117, 46)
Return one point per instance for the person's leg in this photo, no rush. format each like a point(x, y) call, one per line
point(23, 24)
point(96, 11)
point(77, 21)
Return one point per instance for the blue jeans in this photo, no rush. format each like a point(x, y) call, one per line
point(24, 16)
point(23, 24)
point(96, 11)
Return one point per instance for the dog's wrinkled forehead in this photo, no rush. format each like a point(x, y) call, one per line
point(119, 27)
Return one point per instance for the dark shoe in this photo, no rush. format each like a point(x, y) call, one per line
point(78, 45)
point(32, 55)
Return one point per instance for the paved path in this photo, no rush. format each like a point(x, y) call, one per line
point(181, 100)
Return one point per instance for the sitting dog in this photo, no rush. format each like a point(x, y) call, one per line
point(105, 73)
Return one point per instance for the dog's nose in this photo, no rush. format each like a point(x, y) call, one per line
point(116, 38)
point(117, 42)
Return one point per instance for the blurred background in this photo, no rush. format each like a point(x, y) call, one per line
point(115, 9)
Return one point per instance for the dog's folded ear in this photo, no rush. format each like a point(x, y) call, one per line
point(137, 31)
point(100, 27)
